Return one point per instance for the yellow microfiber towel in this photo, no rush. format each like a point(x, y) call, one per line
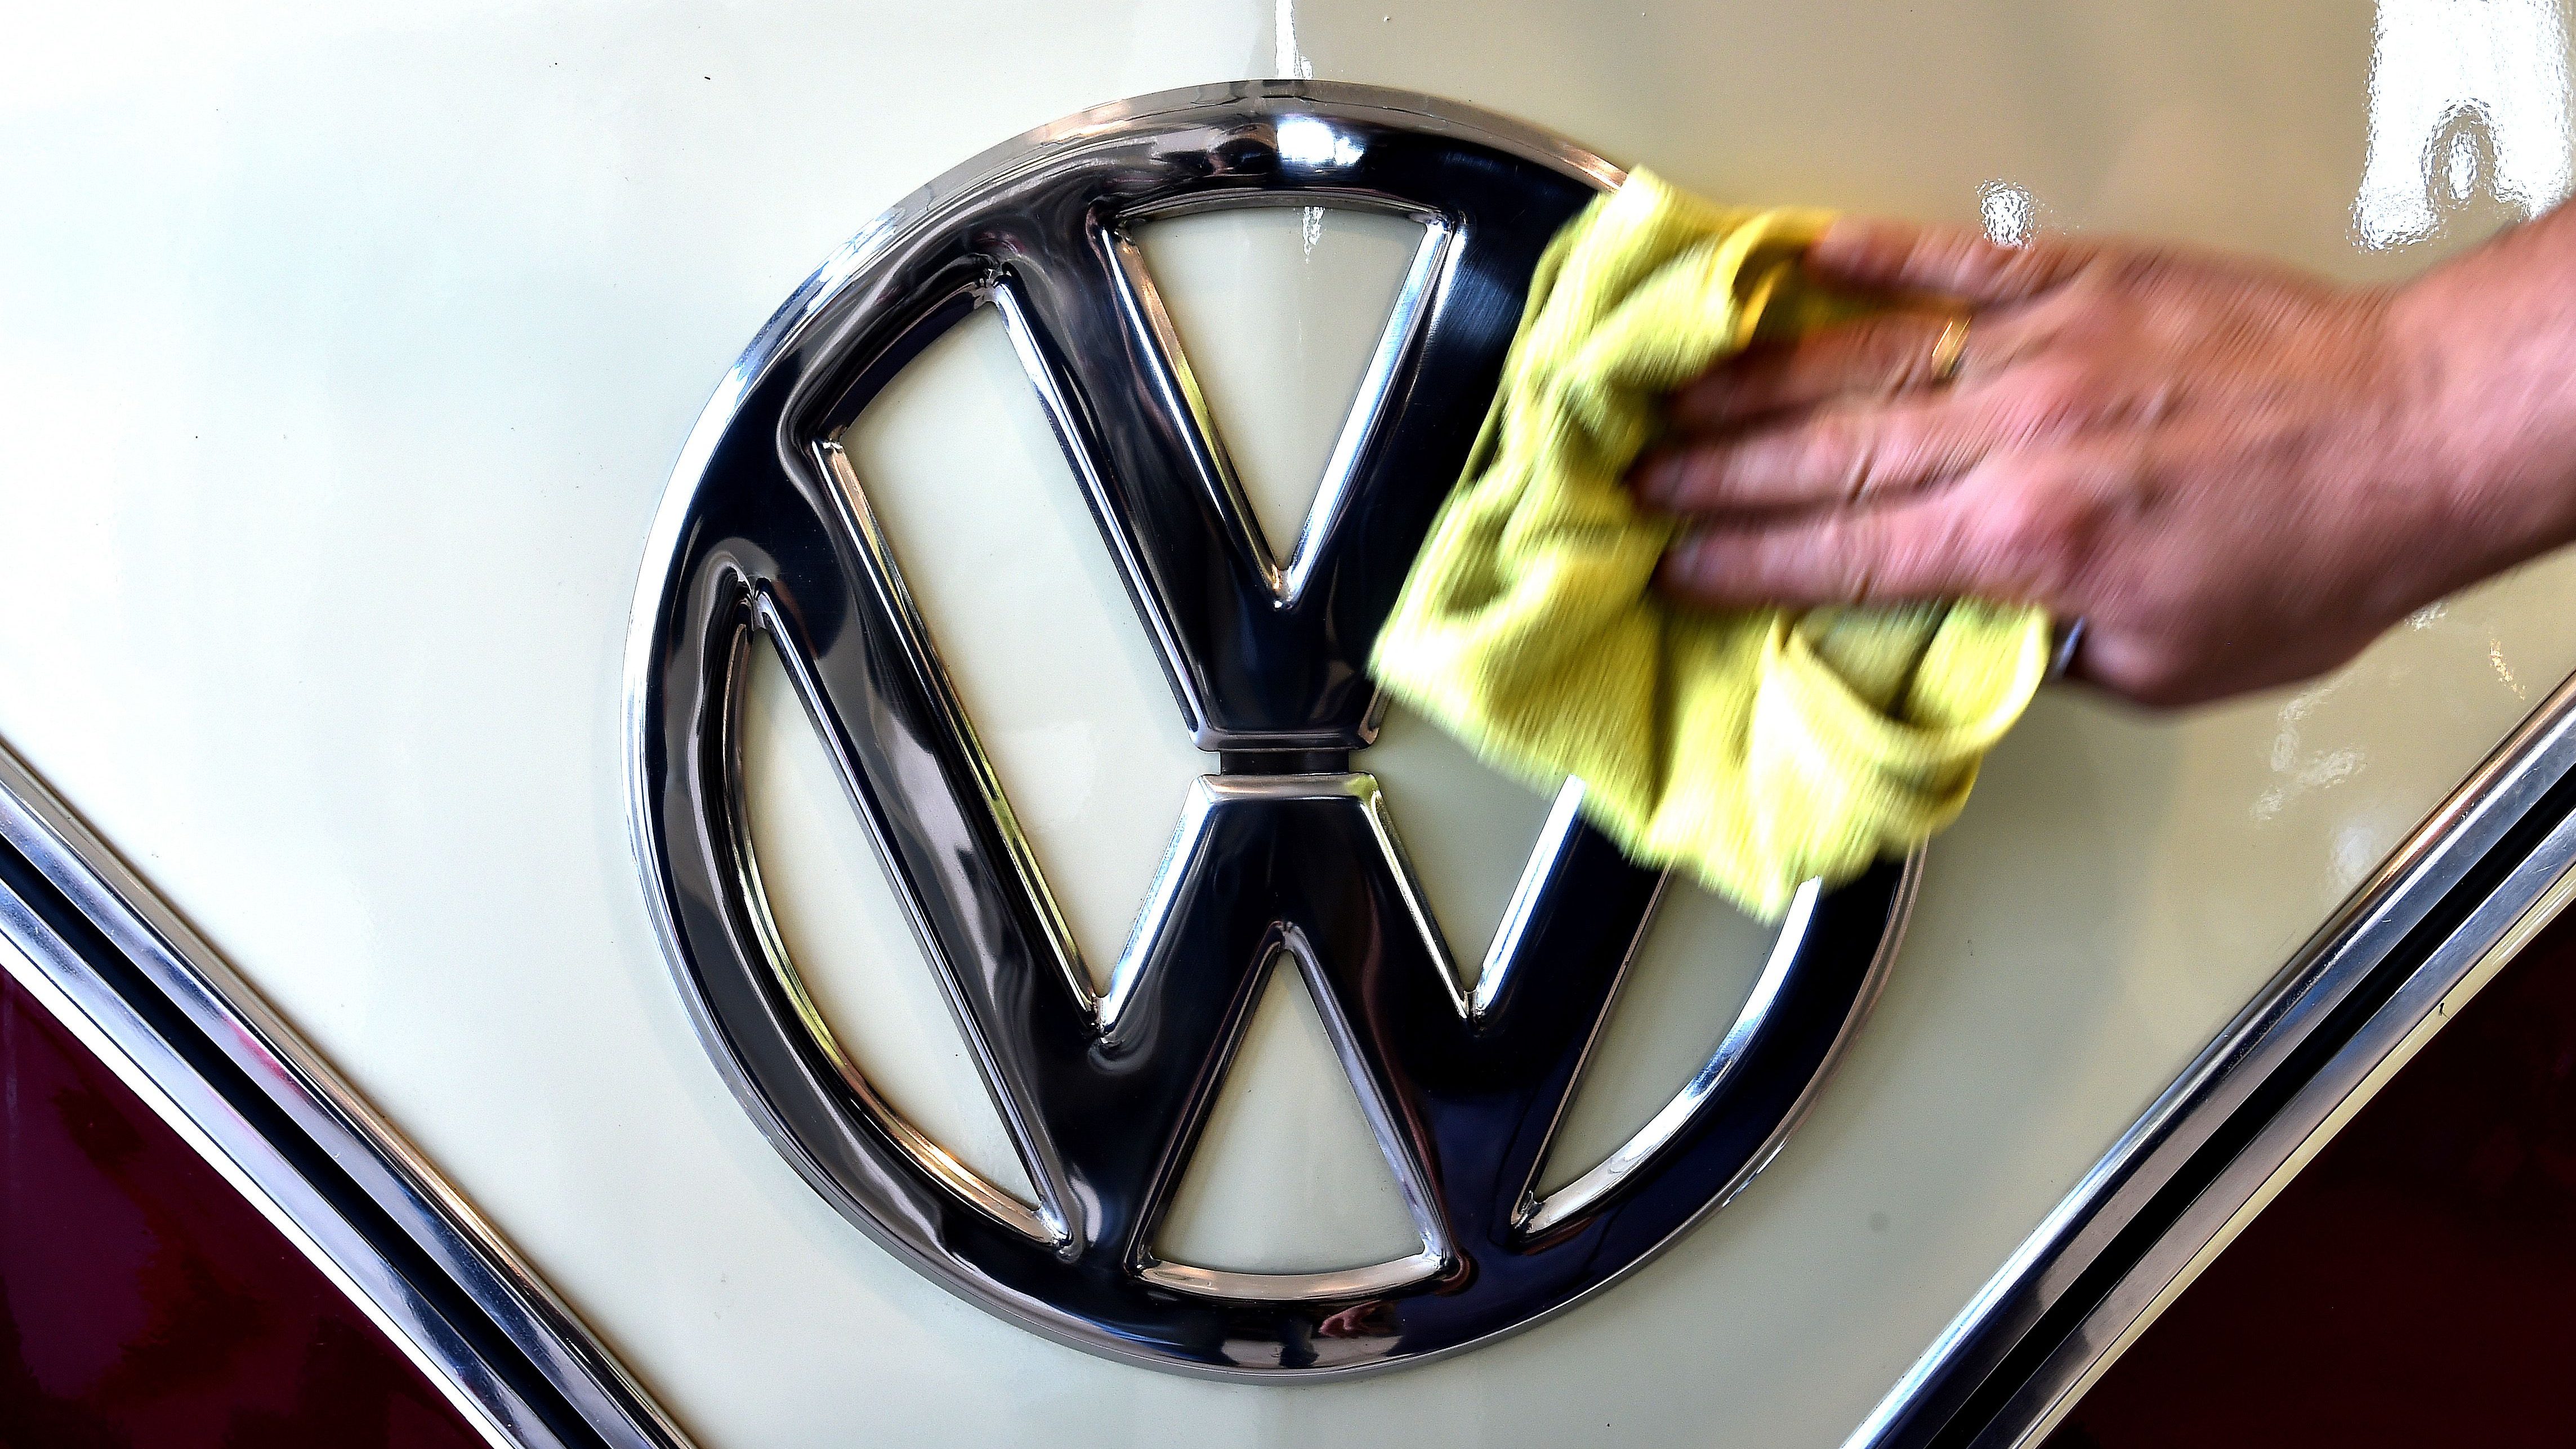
point(1754, 748)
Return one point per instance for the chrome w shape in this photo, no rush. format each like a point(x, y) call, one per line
point(1286, 853)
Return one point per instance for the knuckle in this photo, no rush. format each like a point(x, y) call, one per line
point(1910, 566)
point(1842, 454)
point(1866, 560)
point(2043, 535)
point(1897, 350)
point(1914, 441)
point(2050, 393)
point(2014, 524)
point(1855, 575)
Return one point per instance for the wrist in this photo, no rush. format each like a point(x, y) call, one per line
point(2481, 358)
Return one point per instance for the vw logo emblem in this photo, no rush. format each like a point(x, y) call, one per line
point(1285, 851)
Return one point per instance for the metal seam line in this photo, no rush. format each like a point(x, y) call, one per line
point(2473, 860)
point(427, 1264)
point(407, 1333)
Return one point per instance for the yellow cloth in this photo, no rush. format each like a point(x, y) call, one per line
point(1754, 748)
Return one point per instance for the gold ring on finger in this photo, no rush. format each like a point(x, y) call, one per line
point(1950, 350)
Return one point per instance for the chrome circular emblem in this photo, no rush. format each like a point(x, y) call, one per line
point(766, 541)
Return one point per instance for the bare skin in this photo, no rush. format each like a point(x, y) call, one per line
point(2237, 475)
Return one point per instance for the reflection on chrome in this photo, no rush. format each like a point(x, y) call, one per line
point(2466, 96)
point(767, 539)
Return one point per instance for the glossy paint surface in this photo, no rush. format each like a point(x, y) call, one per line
point(143, 1301)
point(345, 353)
point(2411, 1285)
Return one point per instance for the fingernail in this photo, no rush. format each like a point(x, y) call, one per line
point(1701, 402)
point(1656, 479)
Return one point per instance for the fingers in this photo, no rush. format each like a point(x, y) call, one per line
point(1862, 452)
point(1897, 256)
point(1918, 550)
point(1878, 355)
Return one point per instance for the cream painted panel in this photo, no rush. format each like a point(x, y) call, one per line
point(1279, 312)
point(1286, 1178)
point(343, 354)
point(1684, 989)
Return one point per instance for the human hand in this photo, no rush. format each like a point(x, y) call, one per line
point(2237, 475)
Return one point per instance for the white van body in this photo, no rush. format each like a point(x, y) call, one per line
point(346, 354)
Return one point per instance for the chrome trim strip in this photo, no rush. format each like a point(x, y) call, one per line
point(2041, 1401)
point(2414, 929)
point(163, 985)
